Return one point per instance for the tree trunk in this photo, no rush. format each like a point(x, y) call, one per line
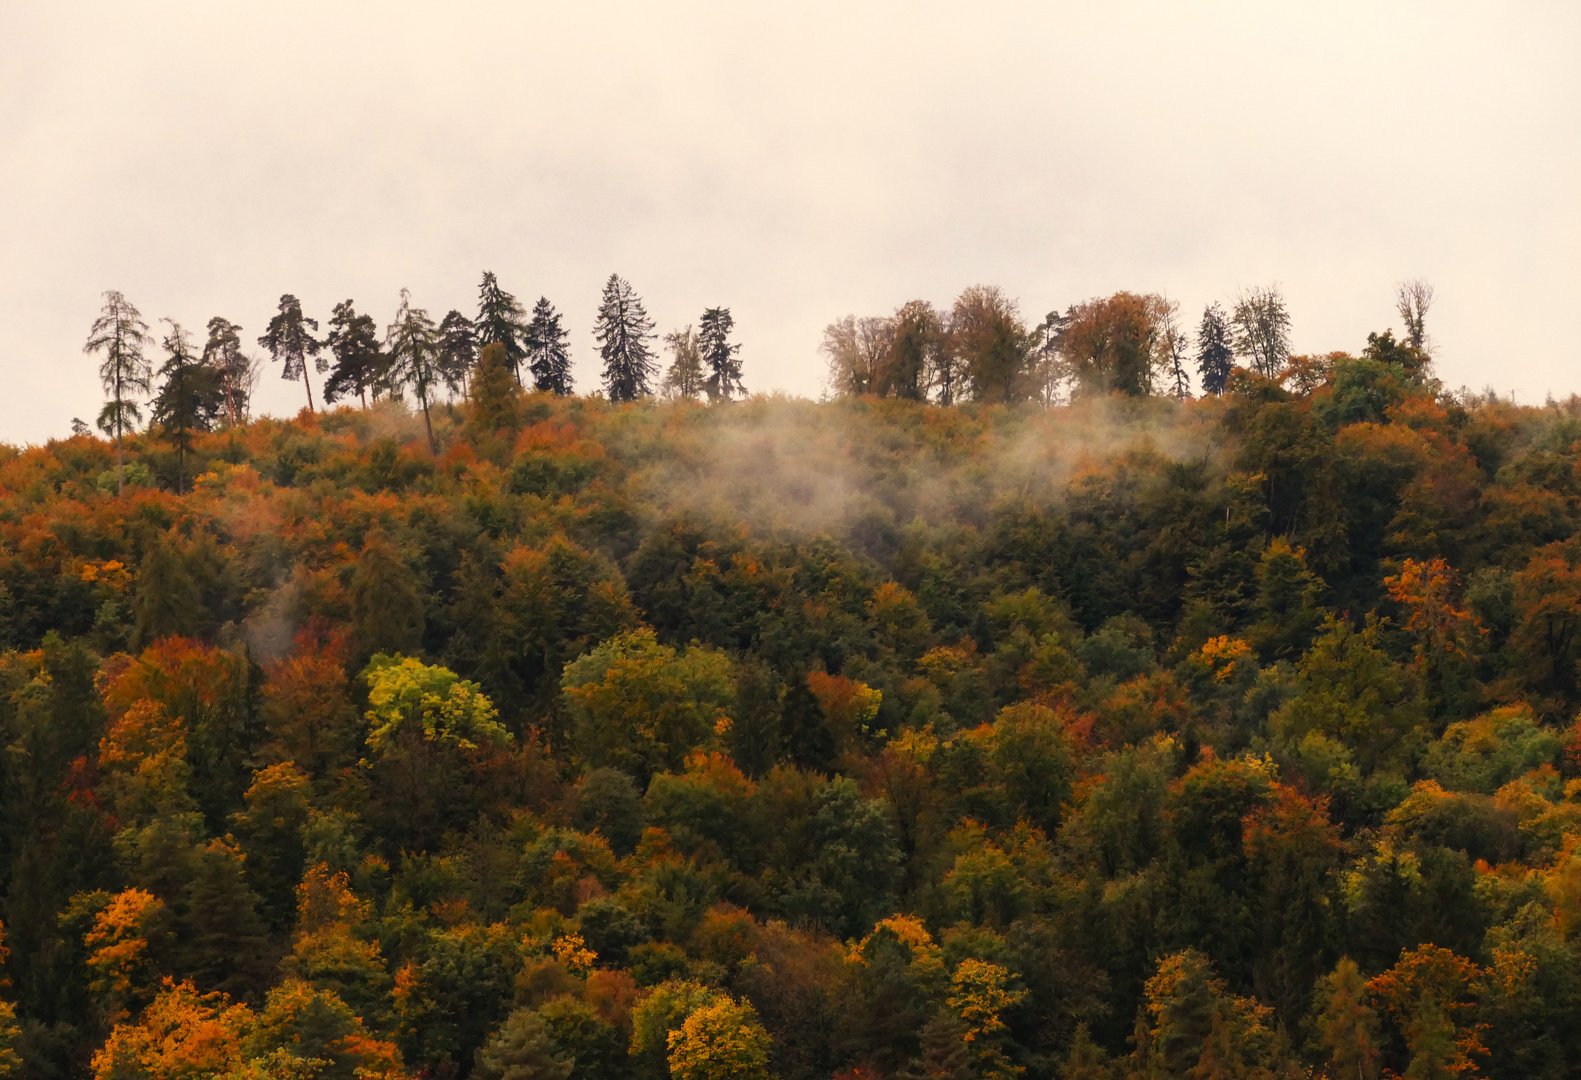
point(120, 463)
point(432, 445)
point(307, 382)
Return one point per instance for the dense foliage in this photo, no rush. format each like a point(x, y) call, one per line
point(1133, 737)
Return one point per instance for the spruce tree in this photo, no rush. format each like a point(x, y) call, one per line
point(234, 369)
point(359, 361)
point(499, 322)
point(623, 331)
point(1215, 353)
point(190, 397)
point(413, 343)
point(120, 333)
point(522, 1049)
point(547, 355)
point(291, 344)
point(719, 356)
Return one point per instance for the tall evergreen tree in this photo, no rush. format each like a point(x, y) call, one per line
point(290, 343)
point(719, 355)
point(234, 369)
point(413, 341)
point(1215, 351)
point(359, 361)
point(120, 334)
point(499, 322)
point(190, 397)
point(623, 331)
point(458, 350)
point(547, 355)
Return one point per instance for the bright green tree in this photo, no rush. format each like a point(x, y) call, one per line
point(723, 1040)
point(406, 695)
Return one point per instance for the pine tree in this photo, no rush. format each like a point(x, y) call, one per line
point(623, 330)
point(1215, 356)
point(413, 343)
point(547, 355)
point(290, 344)
point(499, 322)
point(121, 334)
point(189, 399)
point(719, 356)
point(684, 379)
point(359, 361)
point(522, 1049)
point(236, 371)
point(1347, 1026)
point(458, 350)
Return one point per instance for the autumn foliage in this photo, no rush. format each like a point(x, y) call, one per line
point(1136, 737)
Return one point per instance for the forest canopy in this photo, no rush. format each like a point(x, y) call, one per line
point(1012, 712)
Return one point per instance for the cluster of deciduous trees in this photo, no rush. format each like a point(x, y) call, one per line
point(1135, 736)
point(982, 350)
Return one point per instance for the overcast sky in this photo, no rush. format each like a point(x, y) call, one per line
point(793, 161)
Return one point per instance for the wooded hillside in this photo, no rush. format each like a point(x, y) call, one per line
point(1132, 737)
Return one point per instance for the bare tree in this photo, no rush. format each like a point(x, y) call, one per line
point(1262, 329)
point(120, 334)
point(856, 349)
point(1411, 300)
point(1171, 349)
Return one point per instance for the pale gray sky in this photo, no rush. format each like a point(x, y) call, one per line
point(792, 161)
